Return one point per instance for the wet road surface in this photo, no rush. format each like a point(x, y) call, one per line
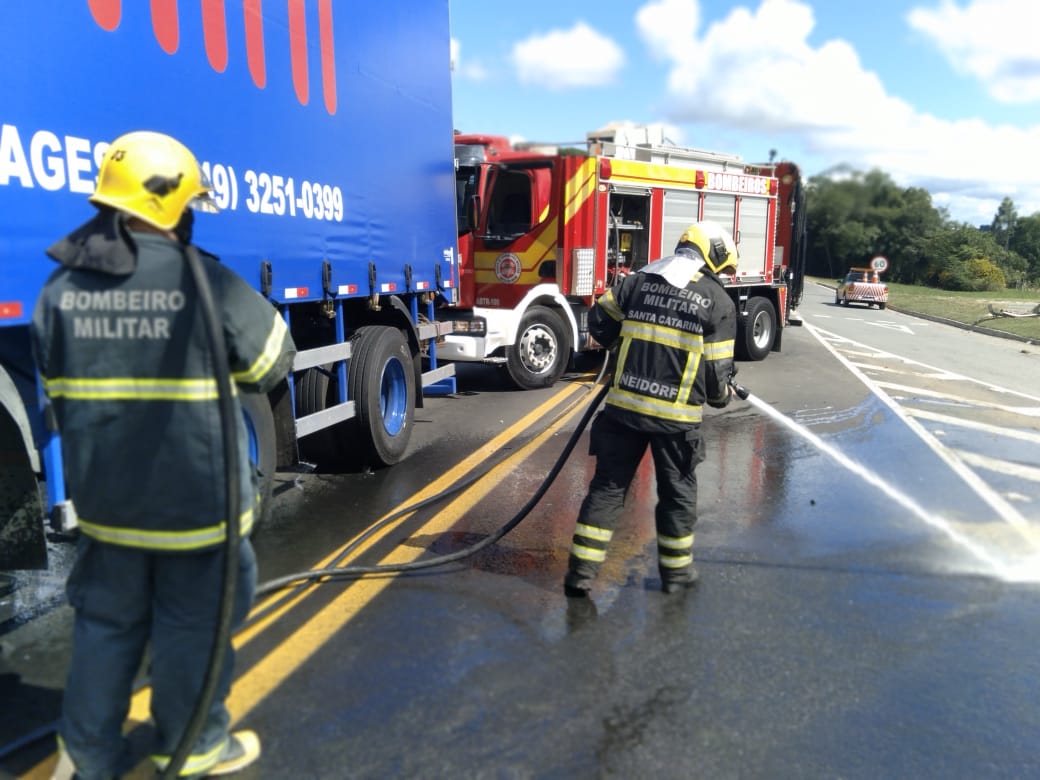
point(834, 634)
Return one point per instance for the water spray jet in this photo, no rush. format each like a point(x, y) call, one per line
point(1027, 571)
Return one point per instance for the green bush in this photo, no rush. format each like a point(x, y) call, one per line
point(985, 275)
point(976, 275)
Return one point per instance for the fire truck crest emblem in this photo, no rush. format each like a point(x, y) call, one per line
point(508, 268)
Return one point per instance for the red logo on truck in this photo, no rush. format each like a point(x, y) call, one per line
point(166, 26)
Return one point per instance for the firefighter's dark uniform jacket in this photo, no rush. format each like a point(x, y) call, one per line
point(675, 345)
point(121, 346)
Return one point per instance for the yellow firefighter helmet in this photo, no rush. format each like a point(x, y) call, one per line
point(153, 177)
point(714, 243)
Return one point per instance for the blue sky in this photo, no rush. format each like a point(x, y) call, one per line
point(940, 94)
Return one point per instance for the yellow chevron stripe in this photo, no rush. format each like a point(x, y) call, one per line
point(580, 187)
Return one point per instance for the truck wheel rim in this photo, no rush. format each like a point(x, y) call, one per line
point(761, 333)
point(253, 440)
point(538, 349)
point(393, 397)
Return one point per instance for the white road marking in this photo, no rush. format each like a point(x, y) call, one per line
point(996, 430)
point(996, 502)
point(1027, 411)
point(825, 336)
point(891, 326)
point(1019, 470)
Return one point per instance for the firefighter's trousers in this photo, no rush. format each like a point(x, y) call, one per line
point(126, 600)
point(618, 450)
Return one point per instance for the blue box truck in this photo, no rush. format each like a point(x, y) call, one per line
point(326, 131)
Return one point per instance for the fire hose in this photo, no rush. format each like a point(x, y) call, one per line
point(229, 434)
point(351, 572)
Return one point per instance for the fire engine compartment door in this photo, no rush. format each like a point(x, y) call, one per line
point(722, 208)
point(749, 232)
point(681, 209)
point(754, 231)
point(628, 228)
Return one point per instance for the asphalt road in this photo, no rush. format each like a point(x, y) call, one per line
point(873, 618)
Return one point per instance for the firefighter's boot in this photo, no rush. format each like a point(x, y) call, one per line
point(580, 574)
point(678, 581)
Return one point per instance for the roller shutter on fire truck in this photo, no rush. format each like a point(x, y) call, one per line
point(750, 231)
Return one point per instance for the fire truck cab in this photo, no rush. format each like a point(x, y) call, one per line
point(545, 231)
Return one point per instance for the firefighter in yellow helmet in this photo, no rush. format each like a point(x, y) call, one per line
point(119, 338)
point(673, 325)
point(152, 177)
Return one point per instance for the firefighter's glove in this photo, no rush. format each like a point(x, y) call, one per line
point(722, 401)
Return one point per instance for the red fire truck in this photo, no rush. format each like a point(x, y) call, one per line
point(545, 231)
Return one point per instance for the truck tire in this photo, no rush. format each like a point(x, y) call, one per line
point(381, 380)
point(881, 306)
point(262, 447)
point(23, 543)
point(756, 332)
point(542, 349)
point(316, 390)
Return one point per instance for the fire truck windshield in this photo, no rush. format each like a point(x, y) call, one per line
point(518, 199)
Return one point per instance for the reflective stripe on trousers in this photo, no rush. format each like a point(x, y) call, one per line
point(619, 450)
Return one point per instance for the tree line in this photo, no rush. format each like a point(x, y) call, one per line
point(854, 216)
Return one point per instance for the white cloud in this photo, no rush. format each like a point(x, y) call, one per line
point(994, 41)
point(667, 26)
point(562, 59)
point(757, 71)
point(470, 70)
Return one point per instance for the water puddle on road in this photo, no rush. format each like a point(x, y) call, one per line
point(1027, 570)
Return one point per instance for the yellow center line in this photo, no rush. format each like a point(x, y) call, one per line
point(282, 661)
point(442, 483)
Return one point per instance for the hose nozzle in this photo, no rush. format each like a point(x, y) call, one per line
point(741, 391)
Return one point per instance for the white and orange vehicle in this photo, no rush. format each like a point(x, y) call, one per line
point(544, 232)
point(862, 285)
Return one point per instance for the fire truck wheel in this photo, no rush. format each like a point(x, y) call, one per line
point(262, 446)
point(757, 331)
point(381, 380)
point(542, 349)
